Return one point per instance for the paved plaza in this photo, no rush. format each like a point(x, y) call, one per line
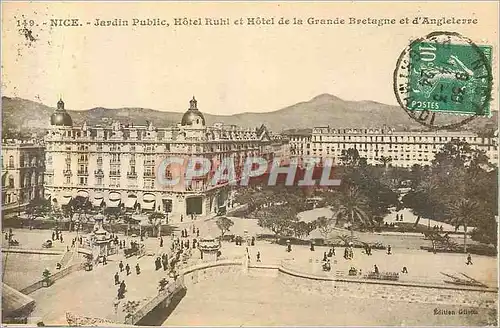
point(254, 301)
point(243, 299)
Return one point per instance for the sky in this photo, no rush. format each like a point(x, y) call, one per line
point(230, 69)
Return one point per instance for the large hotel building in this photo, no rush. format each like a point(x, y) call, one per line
point(116, 166)
point(403, 149)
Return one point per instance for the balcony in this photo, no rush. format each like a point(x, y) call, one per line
point(149, 162)
point(99, 173)
point(84, 172)
point(132, 175)
point(83, 160)
point(114, 173)
point(149, 174)
point(68, 160)
point(67, 173)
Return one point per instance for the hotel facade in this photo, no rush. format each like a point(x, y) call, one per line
point(22, 174)
point(116, 166)
point(404, 149)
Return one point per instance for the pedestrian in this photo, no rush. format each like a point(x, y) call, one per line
point(312, 246)
point(397, 217)
point(187, 244)
point(73, 242)
point(161, 241)
point(117, 279)
point(185, 233)
point(376, 269)
point(137, 269)
point(197, 232)
point(121, 266)
point(346, 253)
point(194, 242)
point(325, 257)
point(253, 241)
point(405, 270)
point(389, 249)
point(104, 260)
point(127, 268)
point(469, 259)
point(61, 238)
point(258, 256)
point(53, 235)
point(194, 230)
point(182, 218)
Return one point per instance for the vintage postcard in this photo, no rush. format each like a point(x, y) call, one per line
point(250, 163)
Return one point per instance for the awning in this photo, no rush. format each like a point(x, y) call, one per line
point(113, 203)
point(148, 206)
point(82, 193)
point(97, 202)
point(130, 202)
point(114, 196)
point(65, 200)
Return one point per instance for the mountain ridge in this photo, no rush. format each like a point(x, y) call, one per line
point(20, 114)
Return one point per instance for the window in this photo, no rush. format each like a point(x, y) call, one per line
point(99, 181)
point(68, 180)
point(11, 181)
point(11, 161)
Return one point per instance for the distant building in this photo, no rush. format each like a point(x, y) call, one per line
point(403, 148)
point(117, 165)
point(22, 174)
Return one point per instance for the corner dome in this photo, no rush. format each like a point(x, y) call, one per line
point(193, 116)
point(60, 117)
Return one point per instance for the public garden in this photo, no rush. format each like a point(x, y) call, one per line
point(434, 225)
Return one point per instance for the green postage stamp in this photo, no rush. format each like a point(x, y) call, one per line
point(449, 78)
point(444, 72)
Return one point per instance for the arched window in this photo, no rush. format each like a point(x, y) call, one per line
point(11, 161)
point(11, 181)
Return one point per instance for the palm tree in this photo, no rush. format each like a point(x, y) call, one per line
point(385, 160)
point(353, 206)
point(462, 213)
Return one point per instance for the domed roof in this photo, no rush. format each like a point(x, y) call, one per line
point(193, 115)
point(60, 117)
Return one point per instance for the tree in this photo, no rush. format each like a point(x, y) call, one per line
point(224, 224)
point(80, 206)
point(459, 188)
point(352, 206)
point(325, 226)
point(155, 220)
point(351, 157)
point(462, 213)
point(385, 160)
point(302, 229)
point(278, 218)
point(346, 239)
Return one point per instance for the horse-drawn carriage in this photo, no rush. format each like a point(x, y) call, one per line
point(47, 244)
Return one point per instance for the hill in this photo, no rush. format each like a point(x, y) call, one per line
point(32, 117)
